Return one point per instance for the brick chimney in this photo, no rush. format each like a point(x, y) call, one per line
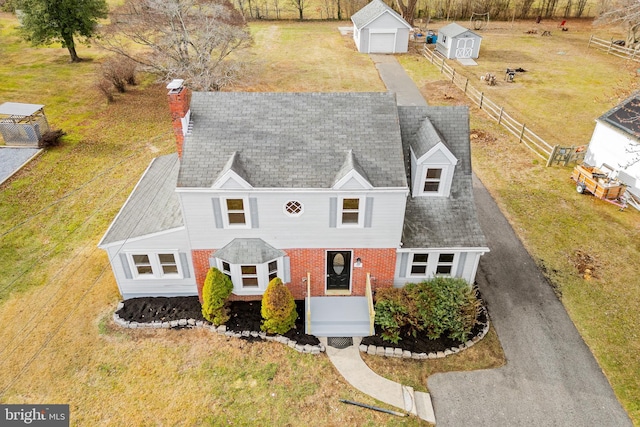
point(179, 100)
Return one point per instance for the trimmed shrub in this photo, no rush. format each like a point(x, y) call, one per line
point(278, 308)
point(395, 314)
point(215, 297)
point(440, 306)
point(445, 305)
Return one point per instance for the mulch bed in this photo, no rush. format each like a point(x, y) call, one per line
point(245, 316)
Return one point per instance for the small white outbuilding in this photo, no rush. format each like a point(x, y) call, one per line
point(457, 42)
point(615, 143)
point(379, 29)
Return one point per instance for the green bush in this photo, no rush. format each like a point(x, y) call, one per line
point(215, 297)
point(395, 314)
point(445, 305)
point(278, 308)
point(440, 306)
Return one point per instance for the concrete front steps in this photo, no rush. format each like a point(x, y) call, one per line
point(343, 316)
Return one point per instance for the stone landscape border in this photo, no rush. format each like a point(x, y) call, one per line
point(221, 330)
point(406, 354)
point(309, 349)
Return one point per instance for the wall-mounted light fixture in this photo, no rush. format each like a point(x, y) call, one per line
point(358, 262)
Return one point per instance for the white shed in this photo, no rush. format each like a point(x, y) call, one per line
point(379, 29)
point(457, 42)
point(615, 143)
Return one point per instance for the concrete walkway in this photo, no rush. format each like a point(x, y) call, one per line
point(351, 366)
point(397, 80)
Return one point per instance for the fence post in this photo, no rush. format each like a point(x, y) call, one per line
point(442, 66)
point(522, 132)
point(465, 85)
point(610, 46)
point(552, 155)
point(453, 75)
point(500, 116)
point(590, 38)
point(481, 98)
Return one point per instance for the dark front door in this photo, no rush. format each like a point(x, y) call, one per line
point(338, 270)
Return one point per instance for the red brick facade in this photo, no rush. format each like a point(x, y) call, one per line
point(179, 102)
point(380, 263)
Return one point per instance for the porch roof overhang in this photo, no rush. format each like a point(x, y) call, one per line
point(248, 251)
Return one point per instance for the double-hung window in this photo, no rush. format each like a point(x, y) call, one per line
point(351, 211)
point(445, 264)
point(432, 180)
point(155, 265)
point(431, 264)
point(419, 264)
point(250, 279)
point(236, 214)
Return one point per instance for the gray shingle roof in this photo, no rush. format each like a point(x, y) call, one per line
point(153, 205)
point(371, 11)
point(453, 30)
point(624, 116)
point(248, 251)
point(432, 222)
point(293, 140)
point(350, 163)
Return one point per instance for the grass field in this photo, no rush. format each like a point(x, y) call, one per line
point(57, 292)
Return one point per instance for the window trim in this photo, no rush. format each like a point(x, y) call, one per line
point(246, 210)
point(294, 214)
point(262, 274)
point(362, 200)
point(157, 271)
point(432, 264)
point(444, 182)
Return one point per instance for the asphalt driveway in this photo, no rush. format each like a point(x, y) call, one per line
point(550, 378)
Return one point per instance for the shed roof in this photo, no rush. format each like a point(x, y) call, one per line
point(441, 222)
point(292, 140)
point(372, 11)
point(454, 30)
point(19, 109)
point(153, 206)
point(625, 116)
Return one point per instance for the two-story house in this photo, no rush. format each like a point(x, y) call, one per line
point(319, 189)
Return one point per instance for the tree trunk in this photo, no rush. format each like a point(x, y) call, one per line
point(407, 10)
point(71, 47)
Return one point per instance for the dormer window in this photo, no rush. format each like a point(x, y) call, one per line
point(432, 180)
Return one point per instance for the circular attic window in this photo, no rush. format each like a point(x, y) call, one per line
point(293, 208)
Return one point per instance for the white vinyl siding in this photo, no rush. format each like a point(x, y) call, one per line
point(312, 229)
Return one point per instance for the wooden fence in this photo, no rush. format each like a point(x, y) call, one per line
point(613, 49)
point(536, 144)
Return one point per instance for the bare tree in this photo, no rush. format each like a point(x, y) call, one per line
point(626, 12)
point(196, 40)
point(407, 10)
point(300, 6)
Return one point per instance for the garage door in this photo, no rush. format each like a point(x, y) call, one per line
point(382, 43)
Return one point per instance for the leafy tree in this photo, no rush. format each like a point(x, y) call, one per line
point(278, 308)
point(215, 296)
point(48, 21)
point(195, 40)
